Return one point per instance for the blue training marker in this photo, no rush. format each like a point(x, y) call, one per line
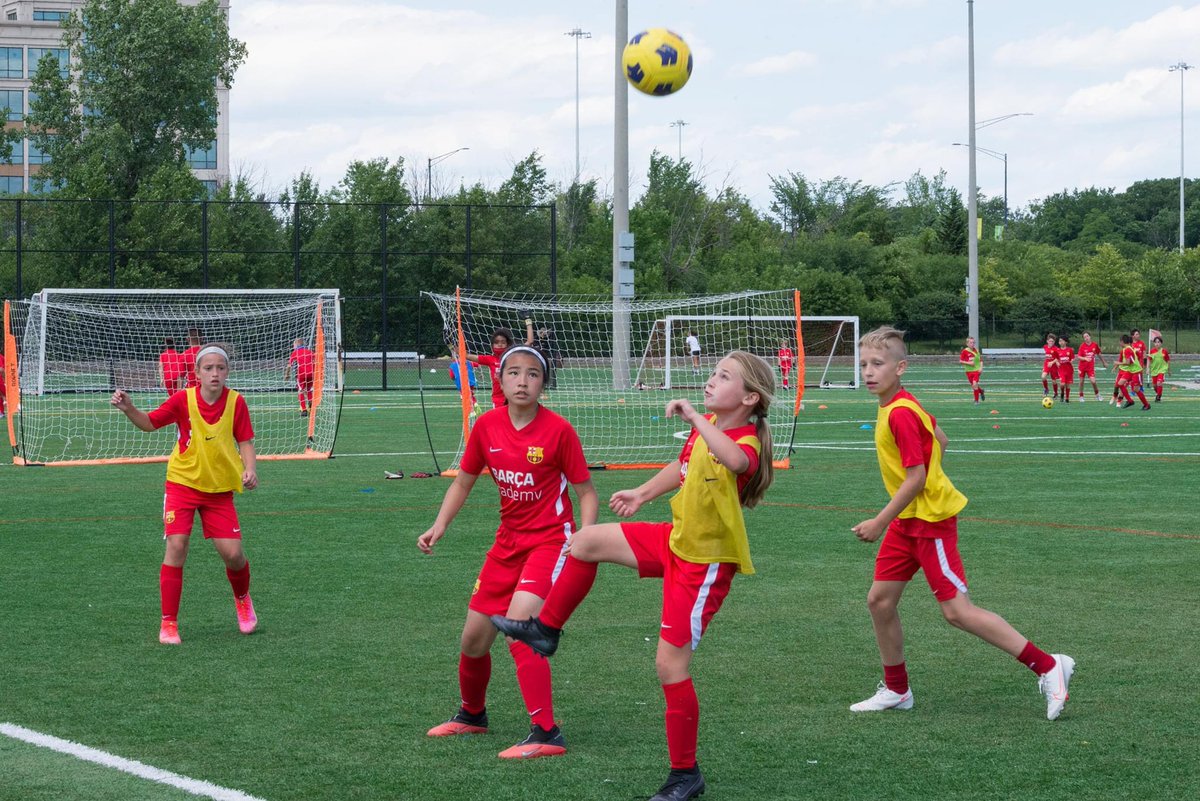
point(866, 426)
point(367, 490)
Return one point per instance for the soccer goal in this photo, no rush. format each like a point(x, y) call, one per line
point(614, 397)
point(74, 347)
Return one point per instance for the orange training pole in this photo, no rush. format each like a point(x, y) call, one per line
point(799, 354)
point(464, 380)
point(11, 388)
point(318, 375)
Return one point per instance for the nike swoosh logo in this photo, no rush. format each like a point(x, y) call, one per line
point(237, 531)
point(666, 625)
point(214, 436)
point(530, 752)
point(529, 581)
point(710, 479)
point(495, 450)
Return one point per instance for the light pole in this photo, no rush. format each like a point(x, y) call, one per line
point(429, 170)
point(679, 124)
point(972, 208)
point(577, 34)
point(1181, 68)
point(1002, 157)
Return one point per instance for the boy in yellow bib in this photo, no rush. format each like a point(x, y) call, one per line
point(213, 457)
point(921, 526)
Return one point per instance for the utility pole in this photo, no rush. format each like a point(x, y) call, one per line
point(577, 34)
point(1181, 68)
point(679, 124)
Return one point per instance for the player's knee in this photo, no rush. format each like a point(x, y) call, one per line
point(879, 603)
point(586, 544)
point(956, 615)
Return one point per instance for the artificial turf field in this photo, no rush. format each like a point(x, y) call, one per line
point(1080, 531)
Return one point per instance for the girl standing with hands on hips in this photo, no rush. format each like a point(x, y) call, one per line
point(213, 458)
point(532, 454)
point(724, 465)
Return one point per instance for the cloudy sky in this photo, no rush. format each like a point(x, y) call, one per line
point(872, 90)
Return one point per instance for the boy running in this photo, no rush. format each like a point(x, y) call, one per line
point(921, 528)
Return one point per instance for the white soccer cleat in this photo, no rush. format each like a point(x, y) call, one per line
point(1053, 684)
point(884, 699)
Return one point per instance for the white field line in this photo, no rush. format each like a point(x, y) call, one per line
point(193, 786)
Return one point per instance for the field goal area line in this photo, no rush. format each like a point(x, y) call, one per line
point(141, 770)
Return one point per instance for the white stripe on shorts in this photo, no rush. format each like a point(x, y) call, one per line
point(945, 564)
point(697, 619)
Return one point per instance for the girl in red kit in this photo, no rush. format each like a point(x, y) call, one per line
point(502, 340)
point(724, 465)
point(972, 362)
point(1050, 365)
point(532, 454)
point(787, 358)
point(1066, 368)
point(213, 457)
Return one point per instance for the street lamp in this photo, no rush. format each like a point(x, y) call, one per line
point(679, 124)
point(1181, 68)
point(577, 34)
point(1002, 157)
point(429, 170)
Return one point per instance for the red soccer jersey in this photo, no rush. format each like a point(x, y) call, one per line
point(1130, 360)
point(531, 467)
point(492, 363)
point(786, 356)
point(913, 441)
point(685, 455)
point(304, 361)
point(175, 410)
point(1051, 356)
point(1140, 347)
point(1065, 357)
point(1088, 351)
point(189, 365)
point(172, 364)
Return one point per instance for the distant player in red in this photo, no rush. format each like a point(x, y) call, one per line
point(213, 458)
point(171, 370)
point(786, 359)
point(502, 340)
point(1140, 346)
point(1050, 365)
point(972, 362)
point(189, 357)
point(1129, 372)
point(531, 454)
point(1089, 351)
point(1160, 366)
point(1066, 367)
point(305, 362)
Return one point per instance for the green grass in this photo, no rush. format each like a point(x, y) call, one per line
point(356, 656)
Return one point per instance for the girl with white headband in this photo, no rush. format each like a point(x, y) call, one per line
point(213, 457)
point(532, 454)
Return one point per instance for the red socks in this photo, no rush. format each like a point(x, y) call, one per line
point(683, 723)
point(1036, 659)
point(533, 677)
point(1125, 392)
point(170, 587)
point(1045, 385)
point(895, 677)
point(975, 392)
point(240, 581)
point(570, 588)
point(474, 673)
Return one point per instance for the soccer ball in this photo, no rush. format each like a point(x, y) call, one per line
point(657, 62)
point(1047, 402)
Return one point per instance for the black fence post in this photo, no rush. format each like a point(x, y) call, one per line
point(112, 246)
point(204, 238)
point(383, 299)
point(468, 247)
point(20, 247)
point(554, 249)
point(296, 245)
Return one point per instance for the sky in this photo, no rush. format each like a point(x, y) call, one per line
point(868, 90)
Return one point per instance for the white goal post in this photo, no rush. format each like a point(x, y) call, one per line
point(615, 400)
point(74, 347)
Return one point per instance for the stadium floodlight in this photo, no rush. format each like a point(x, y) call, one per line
point(1002, 157)
point(1181, 68)
point(577, 34)
point(429, 170)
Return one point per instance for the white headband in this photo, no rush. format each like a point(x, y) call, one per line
point(524, 349)
point(217, 349)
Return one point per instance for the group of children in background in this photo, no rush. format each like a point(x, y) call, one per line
point(541, 565)
point(1058, 368)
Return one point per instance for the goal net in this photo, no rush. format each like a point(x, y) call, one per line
point(614, 397)
point(74, 348)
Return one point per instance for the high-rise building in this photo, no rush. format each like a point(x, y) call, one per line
point(30, 29)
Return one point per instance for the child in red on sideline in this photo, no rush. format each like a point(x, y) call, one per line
point(1066, 368)
point(213, 457)
point(1050, 365)
point(502, 340)
point(973, 363)
point(305, 363)
point(531, 453)
point(921, 528)
point(189, 357)
point(171, 370)
point(724, 465)
point(786, 359)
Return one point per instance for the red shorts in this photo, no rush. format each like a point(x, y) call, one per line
point(1050, 367)
point(1158, 380)
point(973, 376)
point(218, 518)
point(1088, 369)
point(785, 367)
point(911, 544)
point(1066, 374)
point(507, 569)
point(692, 592)
point(1129, 378)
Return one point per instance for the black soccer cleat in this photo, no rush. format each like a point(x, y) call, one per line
point(537, 635)
point(681, 785)
point(982, 394)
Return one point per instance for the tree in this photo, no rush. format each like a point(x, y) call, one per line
point(936, 314)
point(143, 92)
point(952, 226)
point(1047, 310)
point(1106, 283)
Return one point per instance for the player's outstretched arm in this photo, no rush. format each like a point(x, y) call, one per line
point(452, 503)
point(122, 401)
point(625, 503)
point(249, 464)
